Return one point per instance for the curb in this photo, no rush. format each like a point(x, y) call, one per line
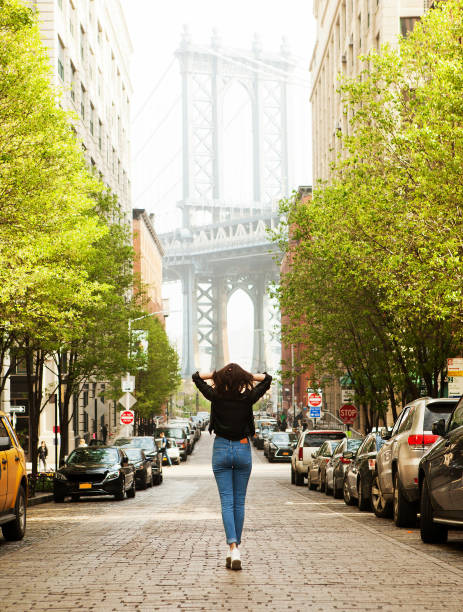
point(40, 499)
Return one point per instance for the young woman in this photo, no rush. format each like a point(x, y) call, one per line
point(232, 395)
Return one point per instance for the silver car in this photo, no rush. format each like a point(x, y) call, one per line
point(395, 486)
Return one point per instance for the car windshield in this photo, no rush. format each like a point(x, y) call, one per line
point(353, 444)
point(134, 454)
point(316, 439)
point(333, 444)
point(173, 432)
point(145, 442)
point(93, 455)
point(284, 438)
point(435, 412)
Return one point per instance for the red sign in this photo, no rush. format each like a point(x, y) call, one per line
point(348, 413)
point(56, 429)
point(127, 417)
point(315, 400)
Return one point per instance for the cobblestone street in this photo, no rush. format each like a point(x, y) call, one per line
point(164, 550)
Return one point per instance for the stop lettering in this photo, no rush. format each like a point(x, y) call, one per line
point(348, 413)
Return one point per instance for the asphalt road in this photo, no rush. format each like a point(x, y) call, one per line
point(165, 550)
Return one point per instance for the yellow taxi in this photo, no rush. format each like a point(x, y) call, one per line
point(13, 482)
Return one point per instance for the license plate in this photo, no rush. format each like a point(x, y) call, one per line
point(285, 453)
point(85, 485)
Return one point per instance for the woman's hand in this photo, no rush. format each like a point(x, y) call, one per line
point(258, 377)
point(205, 375)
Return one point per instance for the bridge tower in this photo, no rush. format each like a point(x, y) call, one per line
point(231, 250)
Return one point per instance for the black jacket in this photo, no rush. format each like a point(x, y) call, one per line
point(232, 417)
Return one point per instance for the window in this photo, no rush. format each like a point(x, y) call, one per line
point(100, 134)
point(399, 420)
point(82, 43)
point(407, 421)
point(75, 414)
point(60, 59)
point(60, 4)
point(73, 81)
point(4, 433)
point(407, 24)
point(82, 101)
point(92, 112)
point(457, 417)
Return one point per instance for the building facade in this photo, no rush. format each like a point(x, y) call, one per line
point(347, 29)
point(148, 260)
point(89, 49)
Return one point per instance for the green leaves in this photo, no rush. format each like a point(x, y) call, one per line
point(376, 282)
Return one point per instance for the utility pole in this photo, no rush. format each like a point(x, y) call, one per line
point(292, 383)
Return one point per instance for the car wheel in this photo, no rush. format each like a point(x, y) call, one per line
point(299, 479)
point(310, 484)
point(150, 480)
point(381, 507)
point(121, 492)
point(321, 486)
point(177, 462)
point(293, 476)
point(364, 499)
point(144, 484)
point(349, 500)
point(327, 488)
point(57, 498)
point(75, 497)
point(15, 530)
point(337, 491)
point(404, 512)
point(133, 489)
point(157, 480)
point(431, 532)
point(270, 458)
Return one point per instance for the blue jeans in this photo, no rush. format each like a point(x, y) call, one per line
point(232, 465)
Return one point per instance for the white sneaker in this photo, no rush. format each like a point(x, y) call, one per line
point(228, 559)
point(235, 559)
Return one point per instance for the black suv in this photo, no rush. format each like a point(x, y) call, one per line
point(440, 479)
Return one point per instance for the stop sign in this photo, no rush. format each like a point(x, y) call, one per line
point(315, 400)
point(348, 413)
point(127, 417)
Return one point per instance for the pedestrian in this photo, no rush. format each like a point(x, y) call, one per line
point(43, 454)
point(82, 442)
point(164, 447)
point(104, 433)
point(283, 422)
point(232, 395)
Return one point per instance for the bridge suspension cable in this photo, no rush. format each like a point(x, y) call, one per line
point(157, 128)
point(158, 174)
point(154, 90)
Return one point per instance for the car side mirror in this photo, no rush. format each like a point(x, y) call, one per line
point(386, 434)
point(348, 455)
point(438, 427)
point(5, 443)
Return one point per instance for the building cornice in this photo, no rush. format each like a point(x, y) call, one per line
point(140, 213)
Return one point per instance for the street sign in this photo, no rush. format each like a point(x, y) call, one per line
point(127, 400)
point(17, 409)
point(347, 396)
point(128, 384)
point(348, 414)
point(127, 417)
point(315, 400)
point(315, 413)
point(455, 386)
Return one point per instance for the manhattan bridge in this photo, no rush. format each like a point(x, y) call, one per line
point(223, 245)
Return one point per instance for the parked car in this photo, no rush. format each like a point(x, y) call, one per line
point(361, 471)
point(95, 470)
point(309, 442)
point(440, 480)
point(172, 450)
point(142, 465)
point(336, 466)
point(188, 430)
point(396, 484)
point(316, 475)
point(151, 450)
point(205, 416)
point(13, 482)
point(280, 446)
point(265, 428)
point(179, 434)
point(199, 422)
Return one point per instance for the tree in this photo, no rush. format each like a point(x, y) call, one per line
point(161, 376)
point(375, 286)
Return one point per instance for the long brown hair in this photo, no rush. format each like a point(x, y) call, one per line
point(232, 380)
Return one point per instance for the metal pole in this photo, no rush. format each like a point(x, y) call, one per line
point(56, 431)
point(96, 418)
point(292, 382)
